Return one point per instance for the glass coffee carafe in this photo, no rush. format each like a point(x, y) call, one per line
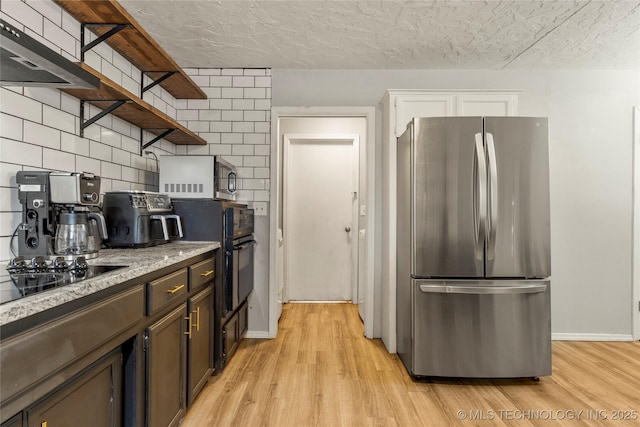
point(79, 233)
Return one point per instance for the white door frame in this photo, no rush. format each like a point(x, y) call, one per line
point(274, 206)
point(354, 140)
point(635, 262)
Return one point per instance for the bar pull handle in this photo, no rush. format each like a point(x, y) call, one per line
point(492, 222)
point(175, 289)
point(479, 196)
point(197, 313)
point(206, 273)
point(190, 327)
point(483, 290)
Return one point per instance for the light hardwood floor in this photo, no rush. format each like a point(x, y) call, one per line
point(321, 371)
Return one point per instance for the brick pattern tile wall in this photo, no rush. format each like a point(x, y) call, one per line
point(39, 127)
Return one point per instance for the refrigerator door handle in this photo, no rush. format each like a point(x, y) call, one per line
point(479, 196)
point(492, 223)
point(483, 290)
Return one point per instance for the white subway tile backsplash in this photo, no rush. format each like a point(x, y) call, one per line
point(242, 127)
point(243, 81)
point(261, 196)
point(110, 170)
point(188, 114)
point(245, 172)
point(257, 93)
point(9, 200)
point(213, 92)
point(254, 138)
point(8, 223)
point(59, 37)
point(210, 137)
point(256, 161)
point(124, 128)
point(200, 150)
point(100, 151)
point(209, 115)
point(220, 149)
point(11, 127)
point(8, 174)
point(263, 82)
point(45, 95)
point(109, 137)
point(254, 72)
point(263, 127)
point(129, 174)
point(21, 153)
point(221, 81)
point(72, 143)
point(242, 150)
point(198, 126)
point(262, 150)
point(232, 92)
point(38, 134)
point(232, 116)
point(220, 104)
point(48, 9)
point(20, 106)
point(197, 104)
point(261, 172)
point(220, 127)
point(231, 138)
point(242, 104)
point(232, 71)
point(130, 84)
point(58, 160)
point(255, 116)
point(58, 119)
point(262, 104)
point(131, 145)
point(203, 71)
point(28, 18)
point(121, 157)
point(87, 164)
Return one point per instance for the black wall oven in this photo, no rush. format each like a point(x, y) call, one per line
point(231, 224)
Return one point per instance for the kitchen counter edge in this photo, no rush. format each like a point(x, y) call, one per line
point(140, 262)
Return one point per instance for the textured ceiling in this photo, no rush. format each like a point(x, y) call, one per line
point(395, 34)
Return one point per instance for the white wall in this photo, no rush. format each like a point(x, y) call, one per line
point(590, 116)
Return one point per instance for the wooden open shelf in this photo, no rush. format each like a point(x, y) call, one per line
point(133, 43)
point(135, 111)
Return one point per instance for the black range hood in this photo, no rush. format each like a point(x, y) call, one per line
point(27, 62)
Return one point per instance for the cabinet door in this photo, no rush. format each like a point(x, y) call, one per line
point(93, 399)
point(243, 320)
point(487, 104)
point(421, 105)
point(166, 361)
point(200, 343)
point(230, 334)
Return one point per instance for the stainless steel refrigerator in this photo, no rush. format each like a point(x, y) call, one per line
point(473, 261)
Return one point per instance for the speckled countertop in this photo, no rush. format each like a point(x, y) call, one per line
point(139, 261)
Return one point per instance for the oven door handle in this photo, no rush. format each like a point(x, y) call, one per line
point(244, 245)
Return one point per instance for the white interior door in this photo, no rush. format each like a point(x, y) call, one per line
point(320, 217)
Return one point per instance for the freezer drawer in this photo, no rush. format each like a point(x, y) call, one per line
point(481, 329)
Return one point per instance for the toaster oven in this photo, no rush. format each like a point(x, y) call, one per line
point(198, 177)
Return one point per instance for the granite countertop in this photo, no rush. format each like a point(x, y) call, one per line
point(139, 261)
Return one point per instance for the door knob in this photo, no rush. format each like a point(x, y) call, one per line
point(347, 229)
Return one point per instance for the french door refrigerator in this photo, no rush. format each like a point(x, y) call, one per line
point(473, 261)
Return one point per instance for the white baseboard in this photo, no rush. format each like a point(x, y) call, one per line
point(257, 334)
point(591, 337)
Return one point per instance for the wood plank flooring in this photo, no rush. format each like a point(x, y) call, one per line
point(321, 371)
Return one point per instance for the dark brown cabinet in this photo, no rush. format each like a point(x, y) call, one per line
point(200, 343)
point(166, 369)
point(93, 399)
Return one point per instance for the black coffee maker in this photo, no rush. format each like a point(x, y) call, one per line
point(60, 215)
point(139, 219)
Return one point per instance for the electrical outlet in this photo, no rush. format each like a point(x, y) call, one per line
point(260, 208)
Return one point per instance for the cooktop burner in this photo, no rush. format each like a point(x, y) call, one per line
point(39, 276)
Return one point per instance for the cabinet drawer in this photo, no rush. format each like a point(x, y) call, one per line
point(163, 291)
point(201, 273)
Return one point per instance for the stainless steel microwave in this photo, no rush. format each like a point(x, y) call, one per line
point(198, 177)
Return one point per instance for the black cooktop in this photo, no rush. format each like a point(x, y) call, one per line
point(18, 285)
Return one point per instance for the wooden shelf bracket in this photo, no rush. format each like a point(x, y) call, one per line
point(87, 47)
point(144, 145)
